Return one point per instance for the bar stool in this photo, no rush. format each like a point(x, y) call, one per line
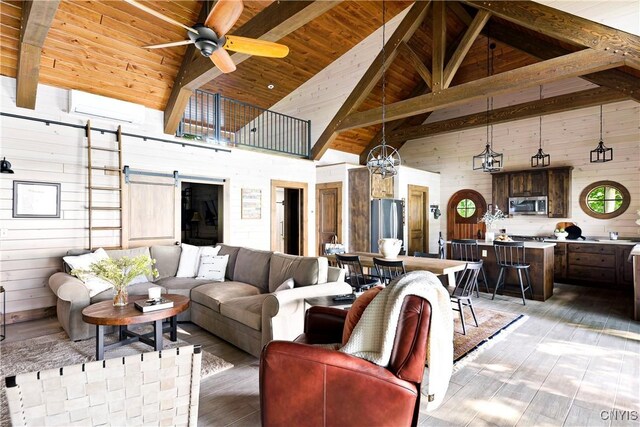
point(467, 250)
point(355, 275)
point(388, 270)
point(512, 255)
point(467, 281)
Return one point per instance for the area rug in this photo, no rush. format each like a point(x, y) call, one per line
point(57, 350)
point(493, 327)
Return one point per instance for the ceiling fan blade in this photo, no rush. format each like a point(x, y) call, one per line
point(159, 15)
point(172, 44)
point(223, 61)
point(224, 15)
point(256, 47)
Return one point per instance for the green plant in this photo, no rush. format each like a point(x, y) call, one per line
point(120, 272)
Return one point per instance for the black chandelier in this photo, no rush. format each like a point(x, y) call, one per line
point(540, 159)
point(489, 160)
point(601, 153)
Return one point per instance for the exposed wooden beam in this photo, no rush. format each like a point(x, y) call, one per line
point(465, 44)
point(439, 45)
point(272, 24)
point(403, 32)
point(556, 104)
point(566, 27)
point(37, 17)
point(416, 62)
point(571, 65)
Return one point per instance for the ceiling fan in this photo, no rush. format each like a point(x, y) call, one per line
point(211, 38)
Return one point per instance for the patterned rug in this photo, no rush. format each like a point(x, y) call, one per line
point(57, 350)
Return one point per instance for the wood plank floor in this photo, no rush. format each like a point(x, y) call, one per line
point(576, 356)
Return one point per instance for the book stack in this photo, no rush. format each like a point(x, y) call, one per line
point(153, 304)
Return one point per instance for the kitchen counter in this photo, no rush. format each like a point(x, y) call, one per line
point(532, 245)
point(598, 241)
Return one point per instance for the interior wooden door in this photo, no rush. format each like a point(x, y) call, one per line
point(292, 217)
point(464, 210)
point(292, 221)
point(152, 211)
point(418, 219)
point(328, 213)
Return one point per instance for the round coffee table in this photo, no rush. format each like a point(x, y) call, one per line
point(104, 314)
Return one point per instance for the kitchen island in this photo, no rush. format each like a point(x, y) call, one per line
point(538, 254)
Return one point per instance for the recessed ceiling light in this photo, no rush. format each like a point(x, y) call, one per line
point(270, 86)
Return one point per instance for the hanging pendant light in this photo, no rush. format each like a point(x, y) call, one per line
point(489, 160)
point(540, 159)
point(383, 159)
point(601, 153)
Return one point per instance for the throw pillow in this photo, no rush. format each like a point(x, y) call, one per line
point(94, 284)
point(209, 250)
point(213, 267)
point(356, 310)
point(189, 260)
point(287, 284)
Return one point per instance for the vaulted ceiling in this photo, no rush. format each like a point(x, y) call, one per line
point(96, 46)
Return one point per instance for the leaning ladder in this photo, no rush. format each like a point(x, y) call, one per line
point(91, 168)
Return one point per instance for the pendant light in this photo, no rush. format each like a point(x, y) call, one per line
point(383, 160)
point(489, 160)
point(601, 153)
point(540, 159)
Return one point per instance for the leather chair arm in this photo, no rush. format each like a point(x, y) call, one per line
point(325, 322)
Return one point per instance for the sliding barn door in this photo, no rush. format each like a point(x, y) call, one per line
point(152, 212)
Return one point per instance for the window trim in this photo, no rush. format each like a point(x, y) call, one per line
point(626, 199)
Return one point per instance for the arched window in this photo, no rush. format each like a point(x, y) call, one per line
point(466, 208)
point(604, 199)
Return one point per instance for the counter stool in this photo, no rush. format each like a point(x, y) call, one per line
point(467, 250)
point(512, 255)
point(355, 275)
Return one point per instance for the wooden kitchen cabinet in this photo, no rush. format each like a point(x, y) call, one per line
point(500, 191)
point(624, 267)
point(559, 190)
point(560, 261)
point(599, 264)
point(528, 183)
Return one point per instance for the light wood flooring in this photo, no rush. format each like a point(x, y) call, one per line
point(576, 356)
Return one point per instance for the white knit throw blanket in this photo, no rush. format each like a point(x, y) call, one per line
point(373, 336)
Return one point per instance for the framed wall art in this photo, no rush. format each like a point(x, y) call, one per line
point(251, 203)
point(36, 199)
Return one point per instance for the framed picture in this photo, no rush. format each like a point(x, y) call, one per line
point(36, 199)
point(251, 203)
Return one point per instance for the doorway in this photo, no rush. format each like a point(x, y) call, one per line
point(328, 214)
point(289, 205)
point(201, 213)
point(464, 210)
point(418, 219)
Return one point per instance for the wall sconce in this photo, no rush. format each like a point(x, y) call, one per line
point(5, 166)
point(436, 211)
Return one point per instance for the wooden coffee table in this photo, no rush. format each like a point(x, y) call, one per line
point(104, 314)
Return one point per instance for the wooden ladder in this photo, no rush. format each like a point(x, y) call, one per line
point(91, 168)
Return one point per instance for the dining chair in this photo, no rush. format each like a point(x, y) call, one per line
point(388, 270)
point(512, 255)
point(468, 250)
point(354, 273)
point(462, 294)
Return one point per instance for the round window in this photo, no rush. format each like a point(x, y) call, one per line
point(604, 199)
point(466, 208)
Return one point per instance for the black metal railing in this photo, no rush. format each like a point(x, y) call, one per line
point(216, 118)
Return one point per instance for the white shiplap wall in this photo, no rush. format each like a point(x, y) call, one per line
point(567, 137)
point(31, 249)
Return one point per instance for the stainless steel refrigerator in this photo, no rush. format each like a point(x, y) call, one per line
point(387, 221)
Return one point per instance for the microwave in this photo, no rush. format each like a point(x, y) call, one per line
point(528, 205)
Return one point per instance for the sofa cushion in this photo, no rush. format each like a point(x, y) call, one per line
point(131, 253)
point(171, 283)
point(252, 266)
point(232, 251)
point(167, 259)
point(305, 271)
point(246, 310)
point(212, 294)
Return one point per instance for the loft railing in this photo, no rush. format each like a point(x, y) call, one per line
point(216, 118)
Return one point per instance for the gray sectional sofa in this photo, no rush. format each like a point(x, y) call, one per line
point(245, 309)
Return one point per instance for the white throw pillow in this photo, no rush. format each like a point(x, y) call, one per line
point(189, 260)
point(287, 284)
point(208, 250)
point(213, 267)
point(94, 284)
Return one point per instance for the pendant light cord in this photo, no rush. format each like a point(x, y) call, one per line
point(384, 60)
point(540, 131)
point(600, 122)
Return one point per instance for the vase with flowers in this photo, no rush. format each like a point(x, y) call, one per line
point(490, 219)
point(120, 273)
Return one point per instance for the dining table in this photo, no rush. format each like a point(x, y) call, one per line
point(440, 267)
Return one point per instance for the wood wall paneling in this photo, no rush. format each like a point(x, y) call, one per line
point(359, 210)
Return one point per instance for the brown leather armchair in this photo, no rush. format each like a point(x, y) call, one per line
point(306, 385)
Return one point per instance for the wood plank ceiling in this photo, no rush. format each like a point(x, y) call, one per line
point(95, 46)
